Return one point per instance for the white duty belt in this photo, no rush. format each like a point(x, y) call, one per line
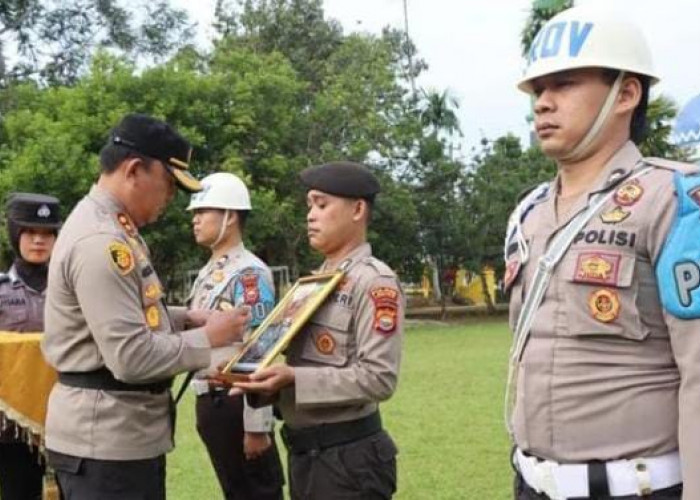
point(638, 476)
point(545, 267)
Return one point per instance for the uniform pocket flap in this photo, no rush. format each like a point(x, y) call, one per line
point(613, 269)
point(338, 318)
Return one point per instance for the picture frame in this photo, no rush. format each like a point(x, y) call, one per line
point(279, 328)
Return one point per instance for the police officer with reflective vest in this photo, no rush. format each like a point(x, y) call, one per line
point(603, 268)
point(345, 360)
point(239, 439)
point(108, 333)
point(33, 221)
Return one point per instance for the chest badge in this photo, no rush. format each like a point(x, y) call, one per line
point(604, 305)
point(217, 276)
point(617, 214)
point(325, 343)
point(628, 194)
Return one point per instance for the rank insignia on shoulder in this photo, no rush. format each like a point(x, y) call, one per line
point(629, 193)
point(604, 305)
point(325, 343)
point(597, 267)
point(617, 214)
point(121, 257)
point(152, 316)
point(126, 224)
point(386, 306)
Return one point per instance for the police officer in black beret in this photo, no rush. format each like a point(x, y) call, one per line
point(346, 359)
point(33, 221)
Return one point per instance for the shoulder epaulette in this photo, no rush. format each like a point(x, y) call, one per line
point(379, 266)
point(675, 166)
point(4, 278)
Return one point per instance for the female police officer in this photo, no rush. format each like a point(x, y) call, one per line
point(32, 221)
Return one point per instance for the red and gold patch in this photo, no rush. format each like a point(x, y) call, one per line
point(217, 276)
point(617, 214)
point(126, 224)
point(386, 307)
point(597, 267)
point(152, 316)
point(512, 270)
point(121, 257)
point(251, 293)
point(604, 305)
point(628, 194)
point(325, 343)
point(151, 291)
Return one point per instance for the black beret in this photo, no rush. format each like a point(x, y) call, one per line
point(156, 139)
point(33, 210)
point(342, 178)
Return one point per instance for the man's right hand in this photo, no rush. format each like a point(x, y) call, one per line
point(225, 327)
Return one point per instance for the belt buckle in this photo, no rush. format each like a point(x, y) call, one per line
point(641, 471)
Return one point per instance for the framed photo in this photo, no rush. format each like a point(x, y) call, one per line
point(277, 330)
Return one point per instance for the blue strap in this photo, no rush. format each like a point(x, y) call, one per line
point(678, 266)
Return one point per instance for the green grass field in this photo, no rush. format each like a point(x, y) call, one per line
point(446, 417)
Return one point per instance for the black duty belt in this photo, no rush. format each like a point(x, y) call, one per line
point(103, 379)
point(319, 437)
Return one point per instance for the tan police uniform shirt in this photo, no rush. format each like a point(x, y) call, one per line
point(606, 373)
point(238, 275)
point(104, 308)
point(347, 357)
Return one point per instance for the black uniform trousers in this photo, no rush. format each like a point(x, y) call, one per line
point(361, 470)
point(524, 492)
point(89, 479)
point(220, 425)
point(21, 472)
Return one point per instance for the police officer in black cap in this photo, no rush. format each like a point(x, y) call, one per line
point(345, 360)
point(108, 333)
point(33, 221)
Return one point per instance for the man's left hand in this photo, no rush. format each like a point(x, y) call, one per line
point(268, 380)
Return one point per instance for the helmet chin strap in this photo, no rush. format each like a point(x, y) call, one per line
point(222, 230)
point(584, 147)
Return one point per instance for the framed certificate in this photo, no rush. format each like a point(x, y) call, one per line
point(277, 330)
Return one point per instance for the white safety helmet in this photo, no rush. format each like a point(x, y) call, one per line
point(587, 37)
point(221, 190)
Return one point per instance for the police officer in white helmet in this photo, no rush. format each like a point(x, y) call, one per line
point(602, 268)
point(239, 439)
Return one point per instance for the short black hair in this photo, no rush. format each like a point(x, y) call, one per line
point(112, 155)
point(638, 124)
